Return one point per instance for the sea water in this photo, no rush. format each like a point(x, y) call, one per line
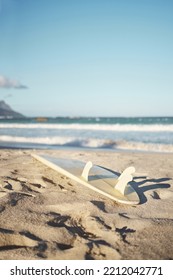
point(143, 134)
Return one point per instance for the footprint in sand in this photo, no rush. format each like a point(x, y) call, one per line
point(72, 225)
point(89, 231)
point(11, 240)
point(59, 221)
point(12, 186)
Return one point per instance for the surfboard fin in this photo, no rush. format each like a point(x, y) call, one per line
point(124, 179)
point(86, 170)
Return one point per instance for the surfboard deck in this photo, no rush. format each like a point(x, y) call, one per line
point(99, 179)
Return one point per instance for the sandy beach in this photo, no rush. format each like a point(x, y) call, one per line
point(44, 215)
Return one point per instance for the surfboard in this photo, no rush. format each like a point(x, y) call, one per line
point(95, 177)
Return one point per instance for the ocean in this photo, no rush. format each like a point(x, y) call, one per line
point(140, 134)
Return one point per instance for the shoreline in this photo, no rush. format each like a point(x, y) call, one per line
point(85, 149)
point(44, 215)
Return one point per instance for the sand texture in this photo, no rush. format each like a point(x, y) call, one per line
point(45, 215)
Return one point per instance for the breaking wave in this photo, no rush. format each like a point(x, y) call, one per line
point(96, 127)
point(85, 143)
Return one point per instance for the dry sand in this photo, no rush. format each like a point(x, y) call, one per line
point(44, 215)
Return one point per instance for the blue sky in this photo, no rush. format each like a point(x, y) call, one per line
point(87, 58)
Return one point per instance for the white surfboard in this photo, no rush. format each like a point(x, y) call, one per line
point(95, 177)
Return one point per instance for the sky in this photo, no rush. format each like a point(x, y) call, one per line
point(87, 58)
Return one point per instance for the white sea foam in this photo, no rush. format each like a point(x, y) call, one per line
point(96, 127)
point(149, 147)
point(37, 140)
point(90, 143)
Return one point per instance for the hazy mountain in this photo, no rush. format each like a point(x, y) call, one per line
point(7, 112)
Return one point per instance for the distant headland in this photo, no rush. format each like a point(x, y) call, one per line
point(7, 112)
